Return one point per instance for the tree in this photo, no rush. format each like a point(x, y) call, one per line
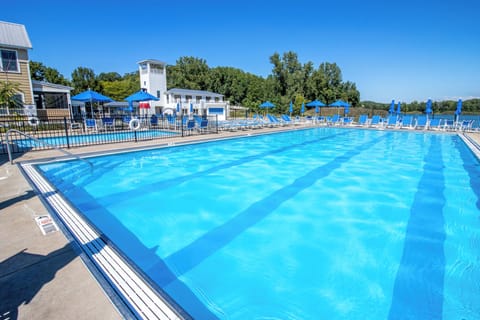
point(288, 74)
point(230, 82)
point(84, 79)
point(8, 92)
point(189, 73)
point(109, 76)
point(40, 72)
point(37, 71)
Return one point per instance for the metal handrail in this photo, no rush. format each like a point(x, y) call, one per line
point(41, 142)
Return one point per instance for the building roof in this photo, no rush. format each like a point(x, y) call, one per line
point(153, 61)
point(45, 85)
point(194, 92)
point(14, 35)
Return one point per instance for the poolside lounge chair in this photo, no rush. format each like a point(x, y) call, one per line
point(203, 125)
point(407, 122)
point(449, 125)
point(108, 123)
point(375, 122)
point(153, 121)
point(434, 123)
point(346, 121)
point(91, 125)
point(421, 122)
point(465, 125)
point(189, 125)
point(286, 119)
point(392, 121)
point(335, 119)
point(362, 120)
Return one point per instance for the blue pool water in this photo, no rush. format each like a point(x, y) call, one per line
point(326, 223)
point(94, 138)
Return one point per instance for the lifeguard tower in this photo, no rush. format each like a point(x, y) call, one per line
point(153, 78)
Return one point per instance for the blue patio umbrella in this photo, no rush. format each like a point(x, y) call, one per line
point(317, 104)
point(340, 103)
point(428, 109)
point(399, 108)
point(392, 107)
point(267, 104)
point(291, 108)
point(91, 96)
point(303, 108)
point(141, 96)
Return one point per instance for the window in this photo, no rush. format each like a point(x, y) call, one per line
point(158, 94)
point(9, 61)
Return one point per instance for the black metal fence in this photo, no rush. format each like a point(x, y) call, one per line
point(68, 133)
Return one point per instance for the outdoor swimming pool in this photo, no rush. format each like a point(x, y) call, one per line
point(80, 139)
point(325, 223)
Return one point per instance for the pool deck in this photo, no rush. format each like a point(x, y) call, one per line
point(43, 276)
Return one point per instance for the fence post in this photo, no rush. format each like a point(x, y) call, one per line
point(66, 131)
point(181, 124)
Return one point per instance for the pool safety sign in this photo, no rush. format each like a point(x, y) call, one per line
point(46, 224)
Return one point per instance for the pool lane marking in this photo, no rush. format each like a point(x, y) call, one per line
point(134, 290)
point(194, 253)
point(418, 287)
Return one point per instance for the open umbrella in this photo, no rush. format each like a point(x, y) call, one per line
point(340, 103)
point(141, 96)
point(317, 104)
point(399, 108)
point(392, 107)
point(267, 104)
point(138, 97)
point(91, 96)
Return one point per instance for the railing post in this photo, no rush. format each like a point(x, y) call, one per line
point(181, 125)
point(8, 148)
point(66, 131)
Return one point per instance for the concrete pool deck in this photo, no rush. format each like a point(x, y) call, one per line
point(44, 276)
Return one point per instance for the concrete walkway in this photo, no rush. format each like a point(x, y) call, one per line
point(42, 277)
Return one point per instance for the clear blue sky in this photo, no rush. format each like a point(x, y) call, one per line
point(403, 50)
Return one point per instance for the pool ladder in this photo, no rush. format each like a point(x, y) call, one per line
point(41, 142)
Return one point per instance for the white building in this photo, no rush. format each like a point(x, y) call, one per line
point(153, 78)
